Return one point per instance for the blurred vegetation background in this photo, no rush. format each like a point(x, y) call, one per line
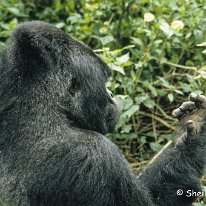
point(155, 48)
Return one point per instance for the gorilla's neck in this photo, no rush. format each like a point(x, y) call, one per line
point(29, 124)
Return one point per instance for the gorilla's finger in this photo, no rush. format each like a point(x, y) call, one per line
point(184, 109)
point(199, 100)
point(177, 113)
point(190, 127)
point(187, 106)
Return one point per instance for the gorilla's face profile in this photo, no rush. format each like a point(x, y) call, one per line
point(67, 72)
point(88, 103)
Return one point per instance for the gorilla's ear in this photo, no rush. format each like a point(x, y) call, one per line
point(36, 46)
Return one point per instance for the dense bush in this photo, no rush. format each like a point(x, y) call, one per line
point(156, 50)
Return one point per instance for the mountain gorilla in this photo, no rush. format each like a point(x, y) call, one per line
point(54, 110)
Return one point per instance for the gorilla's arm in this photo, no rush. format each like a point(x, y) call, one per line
point(175, 169)
point(181, 165)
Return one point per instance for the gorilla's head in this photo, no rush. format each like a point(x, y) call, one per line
point(52, 70)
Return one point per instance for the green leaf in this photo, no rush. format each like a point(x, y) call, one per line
point(125, 116)
point(149, 103)
point(126, 128)
point(150, 87)
point(73, 19)
point(137, 41)
point(203, 74)
point(116, 51)
point(202, 44)
point(128, 47)
point(165, 83)
point(158, 42)
point(140, 99)
point(60, 25)
point(14, 10)
point(203, 68)
point(131, 111)
point(116, 68)
point(143, 140)
point(170, 97)
point(123, 59)
point(13, 23)
point(178, 91)
point(155, 146)
point(107, 39)
point(126, 103)
point(185, 87)
point(164, 26)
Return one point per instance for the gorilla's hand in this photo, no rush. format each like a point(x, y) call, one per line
point(192, 118)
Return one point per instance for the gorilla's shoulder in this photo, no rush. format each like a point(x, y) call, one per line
point(86, 150)
point(87, 141)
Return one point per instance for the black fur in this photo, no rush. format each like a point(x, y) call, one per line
point(54, 110)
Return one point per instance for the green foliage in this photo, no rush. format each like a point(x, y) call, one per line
point(156, 50)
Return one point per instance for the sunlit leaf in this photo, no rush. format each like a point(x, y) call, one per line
point(123, 59)
point(170, 97)
point(202, 44)
point(164, 26)
point(116, 68)
point(107, 39)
